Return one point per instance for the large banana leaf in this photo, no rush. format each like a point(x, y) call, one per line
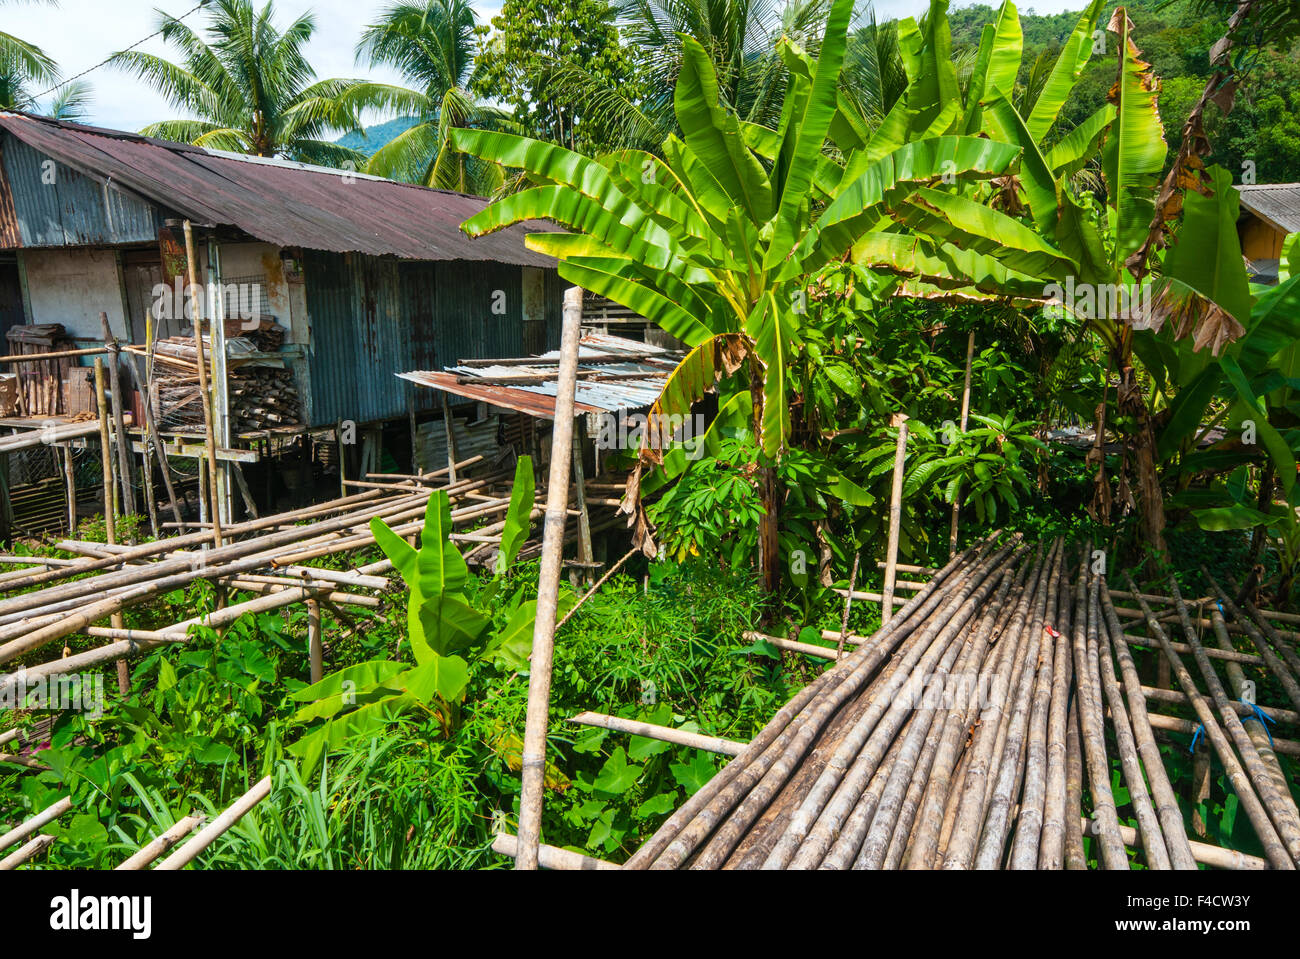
point(712, 134)
point(1074, 56)
point(1080, 144)
point(976, 227)
point(1206, 260)
point(1273, 441)
point(859, 204)
point(810, 135)
point(1035, 172)
point(697, 374)
point(1135, 148)
point(943, 265)
point(997, 63)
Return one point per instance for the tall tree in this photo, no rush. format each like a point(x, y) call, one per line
point(432, 45)
point(249, 86)
point(545, 58)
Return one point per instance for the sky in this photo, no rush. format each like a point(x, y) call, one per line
point(81, 33)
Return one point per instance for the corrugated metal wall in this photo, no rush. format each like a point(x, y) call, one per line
point(53, 205)
point(372, 318)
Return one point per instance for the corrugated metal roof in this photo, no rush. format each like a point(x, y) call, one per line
point(277, 201)
point(614, 374)
point(1276, 203)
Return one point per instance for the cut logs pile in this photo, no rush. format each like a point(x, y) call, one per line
point(972, 732)
point(261, 397)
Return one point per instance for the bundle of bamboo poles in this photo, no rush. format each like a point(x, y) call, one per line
point(266, 556)
point(976, 729)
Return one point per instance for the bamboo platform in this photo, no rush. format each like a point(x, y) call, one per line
point(976, 730)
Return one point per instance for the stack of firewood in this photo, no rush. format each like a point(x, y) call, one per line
point(263, 398)
point(262, 331)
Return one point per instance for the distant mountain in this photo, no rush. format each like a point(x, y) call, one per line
point(377, 135)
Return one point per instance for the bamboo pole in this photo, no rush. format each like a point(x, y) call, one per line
point(682, 737)
point(539, 676)
point(848, 605)
point(451, 436)
point(1086, 638)
point(1201, 852)
point(153, 437)
point(155, 848)
point(746, 785)
point(1274, 849)
point(110, 520)
point(30, 850)
point(209, 435)
point(965, 415)
point(70, 488)
point(30, 826)
point(1259, 735)
point(982, 767)
point(895, 517)
point(1277, 801)
point(1014, 752)
point(1275, 665)
point(106, 455)
point(316, 653)
point(58, 355)
point(125, 473)
point(814, 825)
point(585, 554)
point(1153, 843)
point(210, 833)
point(549, 857)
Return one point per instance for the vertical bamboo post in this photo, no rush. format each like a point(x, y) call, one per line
point(152, 438)
point(315, 650)
point(105, 455)
point(110, 519)
point(210, 461)
point(965, 418)
point(343, 458)
point(451, 438)
point(895, 519)
point(70, 485)
point(220, 398)
point(125, 472)
point(585, 553)
point(548, 587)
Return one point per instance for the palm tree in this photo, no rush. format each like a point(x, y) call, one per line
point(740, 38)
point(249, 87)
point(21, 65)
point(432, 45)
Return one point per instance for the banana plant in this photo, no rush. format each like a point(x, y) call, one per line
point(720, 240)
point(443, 629)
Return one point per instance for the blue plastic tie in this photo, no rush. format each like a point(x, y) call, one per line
point(1196, 737)
point(1262, 718)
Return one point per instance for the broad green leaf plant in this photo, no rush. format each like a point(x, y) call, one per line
point(444, 630)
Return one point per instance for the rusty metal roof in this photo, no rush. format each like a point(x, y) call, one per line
point(1278, 204)
point(279, 201)
point(613, 374)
